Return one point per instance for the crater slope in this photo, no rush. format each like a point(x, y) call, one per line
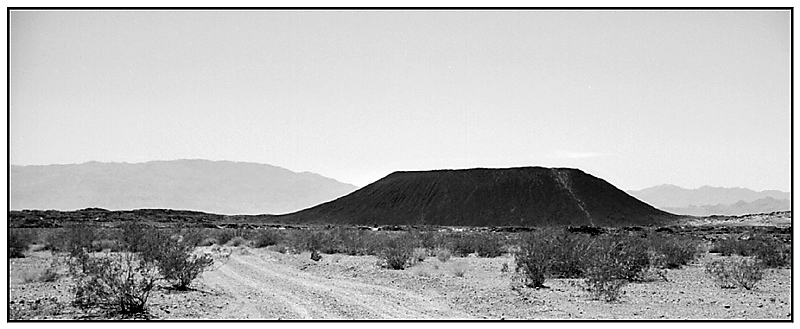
point(526, 196)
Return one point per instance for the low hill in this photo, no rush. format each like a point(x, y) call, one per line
point(528, 196)
point(221, 187)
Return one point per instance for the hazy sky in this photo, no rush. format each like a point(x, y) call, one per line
point(638, 98)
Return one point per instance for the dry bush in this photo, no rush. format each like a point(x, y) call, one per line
point(118, 283)
point(443, 255)
point(132, 235)
point(224, 235)
point(569, 253)
point(208, 242)
point(418, 255)
point(459, 269)
point(673, 252)
point(768, 250)
point(532, 260)
point(772, 253)
point(268, 237)
point(18, 243)
point(603, 288)
point(398, 251)
point(280, 248)
point(176, 263)
point(488, 245)
point(461, 244)
point(106, 244)
point(737, 246)
point(236, 242)
point(735, 272)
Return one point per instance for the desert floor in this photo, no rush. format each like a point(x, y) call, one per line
point(247, 283)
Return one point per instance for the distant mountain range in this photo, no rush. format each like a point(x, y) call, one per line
point(221, 187)
point(708, 200)
point(765, 205)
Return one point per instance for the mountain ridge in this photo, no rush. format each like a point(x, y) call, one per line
point(673, 196)
point(765, 205)
point(225, 187)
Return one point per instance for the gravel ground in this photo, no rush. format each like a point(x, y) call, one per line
point(262, 284)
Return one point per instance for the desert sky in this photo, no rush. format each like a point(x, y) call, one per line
point(637, 97)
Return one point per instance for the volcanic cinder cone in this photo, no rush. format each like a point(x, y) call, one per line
point(528, 196)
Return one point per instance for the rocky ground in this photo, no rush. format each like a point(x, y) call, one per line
point(247, 283)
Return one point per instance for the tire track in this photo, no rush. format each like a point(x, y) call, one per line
point(268, 290)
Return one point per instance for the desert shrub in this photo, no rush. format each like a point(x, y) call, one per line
point(236, 242)
point(614, 261)
point(733, 246)
point(132, 235)
point(105, 244)
point(609, 270)
point(329, 241)
point(18, 243)
point(768, 250)
point(443, 255)
point(357, 243)
point(175, 260)
point(432, 240)
point(673, 252)
point(119, 283)
point(208, 242)
point(419, 254)
point(280, 248)
point(488, 245)
point(735, 272)
point(602, 286)
point(49, 275)
point(461, 244)
point(532, 260)
point(397, 251)
point(772, 253)
point(173, 256)
point(569, 253)
point(459, 269)
point(627, 256)
point(192, 236)
point(308, 240)
point(76, 240)
point(224, 235)
point(54, 240)
point(266, 238)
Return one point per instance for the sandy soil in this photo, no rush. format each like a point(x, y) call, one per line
point(262, 284)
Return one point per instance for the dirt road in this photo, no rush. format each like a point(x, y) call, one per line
point(264, 289)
